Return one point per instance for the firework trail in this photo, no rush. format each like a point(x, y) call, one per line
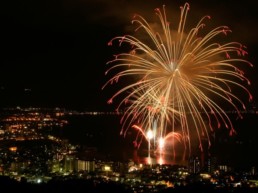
point(175, 79)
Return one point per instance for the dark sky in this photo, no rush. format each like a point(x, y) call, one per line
point(53, 53)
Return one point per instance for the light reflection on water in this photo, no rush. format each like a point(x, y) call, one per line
point(165, 159)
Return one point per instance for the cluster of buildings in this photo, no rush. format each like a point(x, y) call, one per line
point(29, 152)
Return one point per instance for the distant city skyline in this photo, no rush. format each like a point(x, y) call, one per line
point(100, 130)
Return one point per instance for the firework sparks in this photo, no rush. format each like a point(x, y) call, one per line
point(178, 78)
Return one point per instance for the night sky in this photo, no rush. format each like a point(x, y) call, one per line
point(54, 53)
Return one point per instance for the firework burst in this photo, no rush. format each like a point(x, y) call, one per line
point(178, 78)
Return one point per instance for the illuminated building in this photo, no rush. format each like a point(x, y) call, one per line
point(69, 163)
point(224, 168)
point(194, 165)
point(82, 165)
point(211, 163)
